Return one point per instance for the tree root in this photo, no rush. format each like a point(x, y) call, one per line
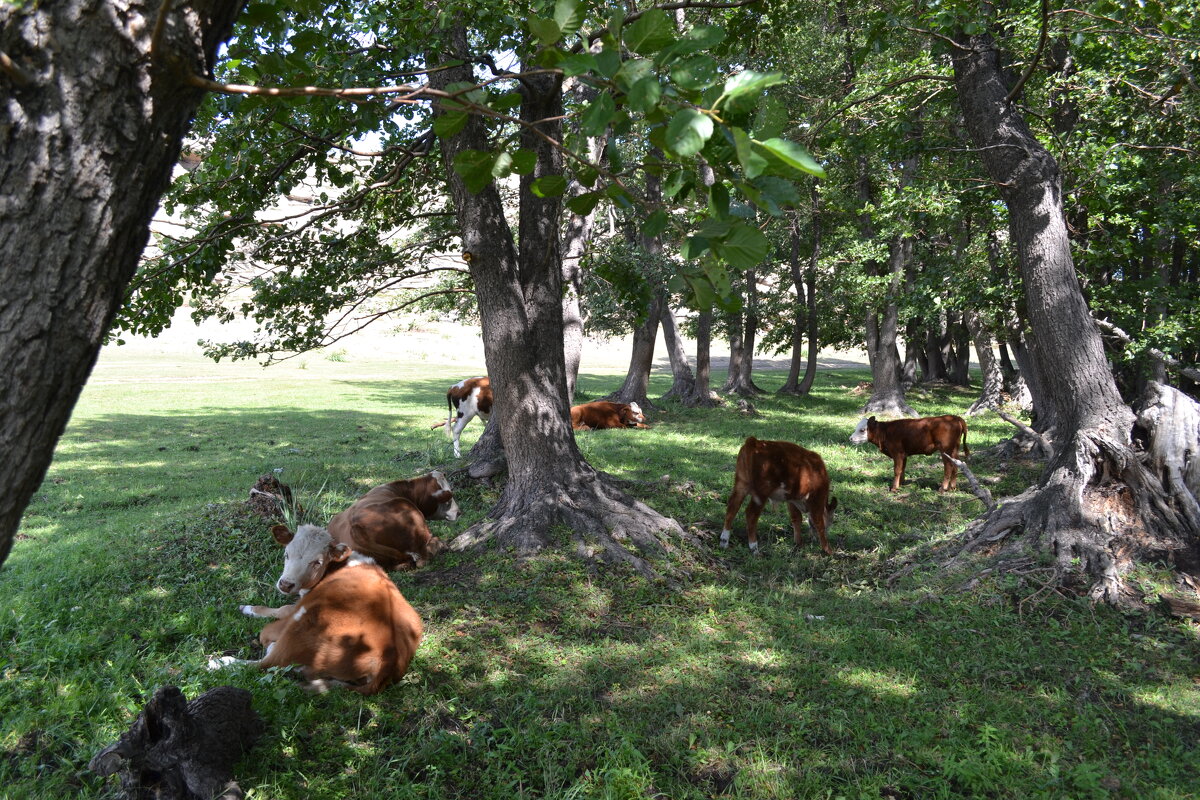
point(605, 524)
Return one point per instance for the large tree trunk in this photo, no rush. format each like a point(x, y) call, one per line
point(791, 385)
point(92, 124)
point(1097, 505)
point(641, 359)
point(704, 321)
point(960, 368)
point(520, 305)
point(814, 341)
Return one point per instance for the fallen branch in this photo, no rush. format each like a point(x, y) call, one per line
point(1043, 442)
point(976, 489)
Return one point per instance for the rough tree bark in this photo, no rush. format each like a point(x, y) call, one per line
point(743, 332)
point(791, 385)
point(520, 305)
point(93, 113)
point(887, 391)
point(683, 388)
point(641, 359)
point(1097, 505)
point(960, 366)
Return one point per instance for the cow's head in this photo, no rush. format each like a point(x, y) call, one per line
point(632, 415)
point(861, 431)
point(307, 555)
point(447, 508)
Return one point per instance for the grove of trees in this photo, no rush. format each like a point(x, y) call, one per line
point(913, 180)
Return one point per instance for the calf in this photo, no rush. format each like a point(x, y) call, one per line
point(601, 414)
point(902, 438)
point(388, 523)
point(351, 625)
point(467, 398)
point(785, 473)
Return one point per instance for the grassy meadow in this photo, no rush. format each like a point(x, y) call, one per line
point(786, 675)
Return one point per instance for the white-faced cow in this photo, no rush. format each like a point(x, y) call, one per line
point(351, 625)
point(466, 400)
point(901, 438)
point(784, 473)
point(602, 414)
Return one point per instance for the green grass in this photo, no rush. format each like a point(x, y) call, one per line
point(789, 675)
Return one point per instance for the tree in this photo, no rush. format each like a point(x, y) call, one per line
point(90, 145)
point(1095, 492)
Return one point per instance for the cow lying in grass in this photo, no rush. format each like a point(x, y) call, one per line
point(351, 625)
point(902, 438)
point(601, 414)
point(785, 473)
point(388, 525)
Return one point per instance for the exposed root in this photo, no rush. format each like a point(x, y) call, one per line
point(605, 524)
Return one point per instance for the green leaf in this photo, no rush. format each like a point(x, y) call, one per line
point(578, 63)
point(632, 71)
point(711, 228)
point(793, 155)
point(749, 83)
point(502, 167)
point(695, 74)
point(523, 162)
point(587, 175)
point(568, 14)
point(596, 117)
point(744, 247)
point(655, 224)
point(701, 37)
point(688, 131)
point(752, 163)
point(475, 167)
point(505, 101)
point(549, 186)
point(584, 203)
point(608, 62)
point(546, 30)
point(450, 123)
point(703, 291)
point(718, 200)
point(693, 248)
point(645, 94)
point(650, 33)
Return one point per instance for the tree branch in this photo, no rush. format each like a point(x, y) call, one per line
point(17, 75)
point(1153, 352)
point(1037, 55)
point(1043, 442)
point(976, 489)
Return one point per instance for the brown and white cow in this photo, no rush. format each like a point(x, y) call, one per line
point(901, 438)
point(601, 414)
point(351, 625)
point(784, 473)
point(388, 524)
point(467, 399)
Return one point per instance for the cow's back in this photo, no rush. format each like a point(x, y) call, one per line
point(768, 466)
point(389, 529)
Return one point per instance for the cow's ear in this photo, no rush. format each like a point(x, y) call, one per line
point(282, 534)
point(338, 552)
point(870, 419)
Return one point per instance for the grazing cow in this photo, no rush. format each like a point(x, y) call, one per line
point(351, 625)
point(785, 473)
point(902, 438)
point(468, 398)
point(601, 414)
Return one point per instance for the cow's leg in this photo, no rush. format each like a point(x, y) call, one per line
point(463, 419)
point(898, 470)
point(267, 612)
point(796, 511)
point(818, 514)
point(950, 473)
point(731, 510)
point(753, 509)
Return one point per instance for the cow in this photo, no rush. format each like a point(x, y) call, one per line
point(785, 473)
point(468, 399)
point(350, 627)
point(901, 438)
point(601, 414)
point(388, 523)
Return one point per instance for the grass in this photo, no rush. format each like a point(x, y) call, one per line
point(790, 674)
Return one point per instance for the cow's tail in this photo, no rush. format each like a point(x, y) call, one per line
point(745, 455)
point(966, 450)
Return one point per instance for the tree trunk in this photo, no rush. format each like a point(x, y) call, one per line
point(814, 341)
point(887, 393)
point(993, 379)
point(915, 361)
point(743, 328)
point(683, 389)
point(92, 125)
point(935, 338)
point(791, 384)
point(703, 357)
point(520, 306)
point(960, 373)
point(1097, 505)
point(641, 360)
